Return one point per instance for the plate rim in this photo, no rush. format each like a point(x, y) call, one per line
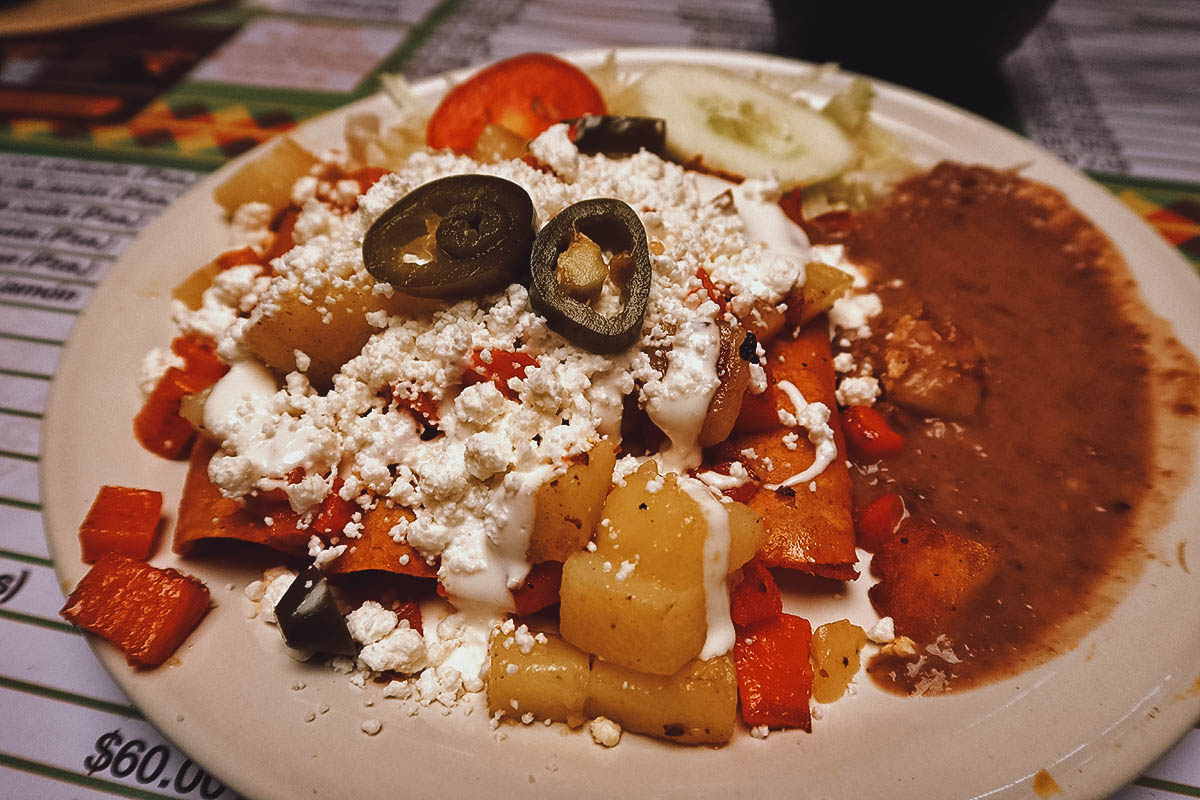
point(58, 401)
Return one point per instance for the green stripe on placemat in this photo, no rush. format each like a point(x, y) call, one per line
point(38, 561)
point(29, 619)
point(15, 503)
point(1168, 786)
point(70, 697)
point(86, 781)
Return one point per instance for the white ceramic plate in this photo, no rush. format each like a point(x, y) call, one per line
point(1094, 717)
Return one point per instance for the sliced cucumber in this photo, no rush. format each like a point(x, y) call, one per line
point(734, 125)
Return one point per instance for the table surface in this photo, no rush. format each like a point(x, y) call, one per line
point(95, 142)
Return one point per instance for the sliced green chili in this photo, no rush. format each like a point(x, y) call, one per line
point(453, 237)
point(615, 227)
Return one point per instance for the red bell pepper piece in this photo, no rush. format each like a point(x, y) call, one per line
point(144, 611)
point(158, 425)
point(411, 611)
point(284, 225)
point(710, 288)
point(774, 674)
point(869, 434)
point(540, 589)
point(756, 597)
point(500, 367)
point(334, 513)
point(121, 520)
point(367, 177)
point(236, 258)
point(877, 523)
point(199, 354)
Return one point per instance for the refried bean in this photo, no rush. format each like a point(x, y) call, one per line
point(1051, 468)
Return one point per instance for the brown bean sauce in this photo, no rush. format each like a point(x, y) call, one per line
point(1057, 464)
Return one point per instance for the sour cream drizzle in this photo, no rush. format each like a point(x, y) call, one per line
point(678, 402)
point(815, 418)
point(501, 565)
point(715, 560)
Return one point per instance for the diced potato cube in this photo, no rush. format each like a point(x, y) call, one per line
point(567, 508)
point(581, 269)
point(836, 650)
point(696, 705)
point(926, 574)
point(634, 621)
point(551, 680)
point(267, 179)
point(655, 521)
point(823, 286)
point(746, 534)
point(639, 599)
point(330, 333)
point(190, 291)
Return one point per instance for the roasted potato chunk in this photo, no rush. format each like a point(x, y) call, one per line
point(696, 705)
point(329, 332)
point(639, 599)
point(567, 508)
point(836, 656)
point(550, 680)
point(267, 179)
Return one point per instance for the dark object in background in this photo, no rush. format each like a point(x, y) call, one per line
point(950, 49)
point(100, 75)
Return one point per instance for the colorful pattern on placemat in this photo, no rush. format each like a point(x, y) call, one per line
point(205, 131)
point(1174, 214)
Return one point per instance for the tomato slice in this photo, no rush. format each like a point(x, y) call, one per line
point(525, 94)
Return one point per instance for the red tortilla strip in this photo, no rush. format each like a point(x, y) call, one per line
point(810, 531)
point(205, 515)
point(375, 548)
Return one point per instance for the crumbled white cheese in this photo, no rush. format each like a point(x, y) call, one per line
point(370, 622)
point(155, 365)
point(402, 650)
point(858, 391)
point(605, 732)
point(272, 593)
point(883, 631)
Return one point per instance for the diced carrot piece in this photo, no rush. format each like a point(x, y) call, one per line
point(925, 575)
point(144, 611)
point(773, 671)
point(807, 530)
point(121, 520)
point(499, 367)
point(869, 435)
point(756, 597)
point(877, 523)
point(540, 589)
point(525, 94)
